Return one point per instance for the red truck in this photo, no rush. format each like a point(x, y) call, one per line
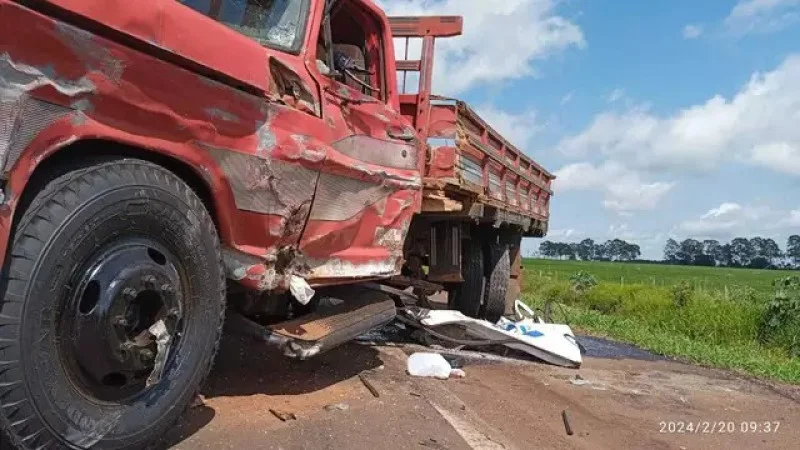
point(161, 158)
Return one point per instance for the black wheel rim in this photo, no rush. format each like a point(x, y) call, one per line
point(115, 299)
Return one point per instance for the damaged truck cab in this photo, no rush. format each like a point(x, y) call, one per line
point(162, 157)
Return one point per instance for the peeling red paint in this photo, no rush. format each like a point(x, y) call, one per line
point(443, 163)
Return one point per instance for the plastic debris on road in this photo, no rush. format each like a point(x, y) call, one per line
point(553, 343)
point(432, 365)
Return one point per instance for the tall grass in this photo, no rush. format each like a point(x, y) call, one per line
point(717, 325)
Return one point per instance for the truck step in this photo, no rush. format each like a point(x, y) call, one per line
point(325, 329)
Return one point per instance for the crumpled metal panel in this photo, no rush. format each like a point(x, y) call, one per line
point(380, 152)
point(340, 198)
point(266, 186)
point(35, 116)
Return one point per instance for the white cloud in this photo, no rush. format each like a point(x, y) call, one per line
point(517, 128)
point(502, 40)
point(562, 235)
point(778, 156)
point(730, 219)
point(725, 209)
point(762, 16)
point(765, 110)
point(616, 95)
point(692, 31)
point(625, 191)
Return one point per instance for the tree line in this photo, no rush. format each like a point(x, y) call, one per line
point(758, 252)
point(588, 250)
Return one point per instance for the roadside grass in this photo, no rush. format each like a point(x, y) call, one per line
point(716, 326)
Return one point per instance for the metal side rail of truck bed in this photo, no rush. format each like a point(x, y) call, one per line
point(471, 169)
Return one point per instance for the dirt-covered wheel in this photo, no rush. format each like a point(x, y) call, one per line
point(467, 296)
point(498, 272)
point(112, 305)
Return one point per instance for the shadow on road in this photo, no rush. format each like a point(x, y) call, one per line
point(244, 368)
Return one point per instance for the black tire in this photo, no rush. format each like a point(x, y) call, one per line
point(498, 273)
point(70, 223)
point(466, 297)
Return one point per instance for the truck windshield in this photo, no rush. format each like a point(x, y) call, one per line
point(274, 23)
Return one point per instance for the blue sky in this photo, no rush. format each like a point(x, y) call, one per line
point(661, 118)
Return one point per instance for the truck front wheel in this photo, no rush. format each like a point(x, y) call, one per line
point(112, 304)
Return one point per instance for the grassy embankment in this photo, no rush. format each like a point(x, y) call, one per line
point(711, 316)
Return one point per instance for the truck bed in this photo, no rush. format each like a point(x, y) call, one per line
point(471, 170)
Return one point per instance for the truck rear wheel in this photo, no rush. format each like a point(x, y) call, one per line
point(466, 297)
point(112, 304)
point(498, 273)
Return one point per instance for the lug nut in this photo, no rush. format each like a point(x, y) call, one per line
point(149, 281)
point(167, 288)
point(129, 293)
point(173, 312)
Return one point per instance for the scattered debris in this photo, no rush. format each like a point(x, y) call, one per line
point(553, 343)
point(579, 381)
point(415, 394)
point(368, 385)
point(337, 407)
point(300, 289)
point(567, 425)
point(163, 340)
point(282, 415)
point(429, 365)
point(198, 401)
point(432, 443)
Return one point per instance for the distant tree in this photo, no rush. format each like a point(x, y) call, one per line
point(565, 250)
point(713, 250)
point(601, 252)
point(632, 252)
point(725, 256)
point(741, 252)
point(771, 251)
point(547, 249)
point(671, 251)
point(793, 249)
point(585, 250)
point(690, 251)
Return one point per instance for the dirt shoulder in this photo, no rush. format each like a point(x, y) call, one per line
point(617, 404)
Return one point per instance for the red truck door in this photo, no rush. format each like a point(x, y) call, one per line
point(370, 184)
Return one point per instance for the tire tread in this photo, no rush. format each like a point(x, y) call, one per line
point(53, 205)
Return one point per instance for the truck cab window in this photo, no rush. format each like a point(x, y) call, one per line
point(357, 46)
point(273, 23)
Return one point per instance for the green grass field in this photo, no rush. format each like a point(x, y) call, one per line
point(703, 278)
point(717, 325)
